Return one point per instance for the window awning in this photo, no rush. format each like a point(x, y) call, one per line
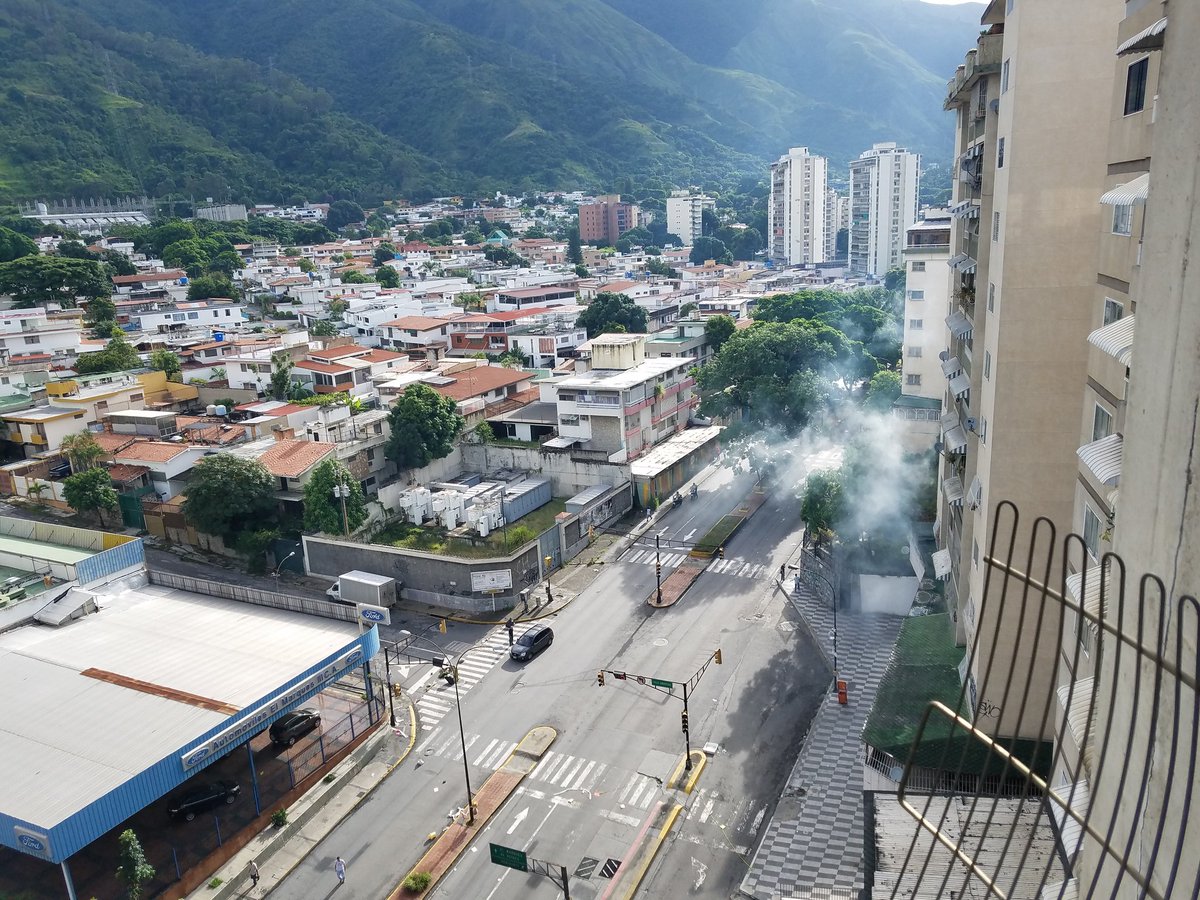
point(1103, 458)
point(975, 493)
point(949, 420)
point(1145, 40)
point(1075, 699)
point(959, 324)
point(955, 261)
point(941, 563)
point(1093, 595)
point(952, 489)
point(956, 440)
point(1076, 797)
point(962, 263)
point(963, 209)
point(951, 367)
point(1116, 339)
point(1132, 193)
point(960, 384)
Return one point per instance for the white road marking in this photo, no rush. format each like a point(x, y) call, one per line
point(425, 743)
point(708, 808)
point(687, 537)
point(537, 773)
point(458, 754)
point(531, 837)
point(553, 777)
point(566, 782)
point(613, 815)
point(583, 776)
point(596, 778)
point(488, 750)
point(518, 819)
point(453, 739)
point(625, 793)
point(701, 871)
point(502, 753)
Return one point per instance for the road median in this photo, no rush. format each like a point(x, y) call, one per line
point(459, 835)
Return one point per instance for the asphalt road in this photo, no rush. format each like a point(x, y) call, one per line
point(585, 805)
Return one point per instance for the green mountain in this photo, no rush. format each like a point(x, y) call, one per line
point(270, 100)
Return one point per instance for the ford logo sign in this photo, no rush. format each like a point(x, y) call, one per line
point(372, 615)
point(29, 842)
point(196, 756)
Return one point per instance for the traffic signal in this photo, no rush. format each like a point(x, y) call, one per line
point(442, 626)
point(600, 678)
point(717, 656)
point(721, 552)
point(685, 721)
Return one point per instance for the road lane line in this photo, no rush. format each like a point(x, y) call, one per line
point(708, 808)
point(596, 778)
point(458, 754)
point(633, 801)
point(481, 756)
point(425, 743)
point(500, 881)
point(628, 787)
point(445, 745)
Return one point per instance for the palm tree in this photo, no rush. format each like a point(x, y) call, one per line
point(82, 450)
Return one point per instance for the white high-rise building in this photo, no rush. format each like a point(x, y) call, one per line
point(685, 215)
point(884, 184)
point(797, 214)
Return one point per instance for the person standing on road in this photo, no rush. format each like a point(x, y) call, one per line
point(253, 873)
point(339, 866)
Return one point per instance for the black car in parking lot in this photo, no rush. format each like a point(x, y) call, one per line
point(201, 797)
point(294, 725)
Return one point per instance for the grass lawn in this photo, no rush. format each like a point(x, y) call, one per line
point(434, 539)
point(720, 533)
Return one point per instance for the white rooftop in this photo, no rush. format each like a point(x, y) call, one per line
point(620, 379)
point(92, 704)
point(672, 451)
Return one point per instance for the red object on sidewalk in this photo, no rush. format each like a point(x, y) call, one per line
point(842, 693)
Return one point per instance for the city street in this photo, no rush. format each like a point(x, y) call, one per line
point(585, 804)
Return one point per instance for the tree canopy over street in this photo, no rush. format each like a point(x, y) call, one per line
point(39, 280)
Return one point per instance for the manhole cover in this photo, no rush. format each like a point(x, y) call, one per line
point(660, 642)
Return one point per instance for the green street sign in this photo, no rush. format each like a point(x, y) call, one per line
point(507, 856)
point(658, 682)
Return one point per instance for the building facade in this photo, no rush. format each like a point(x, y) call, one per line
point(685, 215)
point(798, 210)
point(606, 219)
point(884, 186)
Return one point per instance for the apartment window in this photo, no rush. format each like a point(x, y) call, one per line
point(1135, 86)
point(1101, 423)
point(1122, 222)
point(914, 352)
point(1004, 78)
point(1113, 310)
point(991, 297)
point(914, 380)
point(995, 227)
point(1000, 154)
point(194, 315)
point(33, 339)
point(1091, 532)
point(916, 295)
point(982, 430)
point(916, 324)
point(987, 364)
point(918, 266)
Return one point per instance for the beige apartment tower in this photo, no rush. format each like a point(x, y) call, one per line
point(798, 210)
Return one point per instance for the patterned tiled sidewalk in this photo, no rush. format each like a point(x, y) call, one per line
point(813, 846)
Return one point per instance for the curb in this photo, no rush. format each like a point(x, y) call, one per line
point(699, 761)
point(286, 834)
point(659, 840)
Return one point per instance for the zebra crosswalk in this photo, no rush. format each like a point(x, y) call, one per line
point(740, 568)
point(438, 698)
point(562, 774)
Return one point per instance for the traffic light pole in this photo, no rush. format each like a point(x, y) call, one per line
point(687, 736)
point(657, 570)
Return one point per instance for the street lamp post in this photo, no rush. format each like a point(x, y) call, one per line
point(387, 667)
point(279, 565)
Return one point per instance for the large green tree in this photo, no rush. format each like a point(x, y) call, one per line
point(612, 312)
point(424, 426)
point(706, 248)
point(14, 245)
point(824, 504)
point(167, 361)
point(212, 286)
point(574, 246)
point(229, 494)
point(882, 391)
point(322, 510)
point(39, 280)
point(343, 213)
point(101, 315)
point(281, 374)
point(118, 355)
point(90, 490)
point(133, 870)
point(717, 330)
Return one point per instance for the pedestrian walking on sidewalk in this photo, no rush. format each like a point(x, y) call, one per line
point(339, 866)
point(782, 571)
point(253, 873)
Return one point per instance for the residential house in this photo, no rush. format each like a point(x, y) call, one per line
point(508, 299)
point(26, 334)
point(360, 440)
point(349, 375)
point(214, 314)
point(618, 403)
point(475, 388)
point(40, 430)
point(291, 462)
point(416, 334)
point(686, 339)
point(264, 417)
point(167, 463)
point(170, 283)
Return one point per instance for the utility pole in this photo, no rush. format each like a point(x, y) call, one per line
point(342, 491)
point(658, 580)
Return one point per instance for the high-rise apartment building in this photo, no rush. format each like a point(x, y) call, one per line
point(606, 219)
point(884, 185)
point(685, 215)
point(797, 210)
point(1023, 287)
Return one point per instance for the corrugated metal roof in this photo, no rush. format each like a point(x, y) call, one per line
point(1133, 193)
point(1075, 699)
point(1116, 339)
point(1103, 458)
point(118, 748)
point(1145, 40)
point(1077, 798)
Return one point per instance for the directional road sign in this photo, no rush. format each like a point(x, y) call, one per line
point(507, 856)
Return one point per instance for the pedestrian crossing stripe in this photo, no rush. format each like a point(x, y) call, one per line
point(739, 568)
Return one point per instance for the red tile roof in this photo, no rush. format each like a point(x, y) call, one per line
point(416, 323)
point(291, 458)
point(328, 368)
point(111, 442)
point(337, 352)
point(379, 356)
point(480, 380)
point(151, 451)
point(122, 473)
point(143, 277)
